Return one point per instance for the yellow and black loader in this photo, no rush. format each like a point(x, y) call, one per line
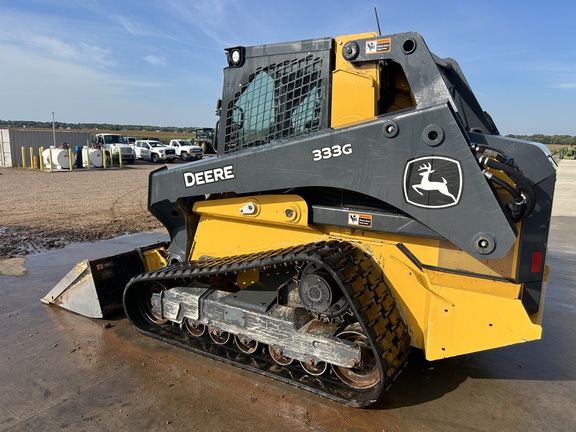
point(361, 203)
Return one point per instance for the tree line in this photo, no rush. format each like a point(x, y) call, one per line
point(91, 126)
point(565, 140)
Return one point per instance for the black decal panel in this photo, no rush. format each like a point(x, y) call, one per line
point(433, 182)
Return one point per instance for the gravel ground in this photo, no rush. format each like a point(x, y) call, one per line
point(42, 210)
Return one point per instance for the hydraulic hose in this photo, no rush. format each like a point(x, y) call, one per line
point(522, 183)
point(517, 206)
point(504, 185)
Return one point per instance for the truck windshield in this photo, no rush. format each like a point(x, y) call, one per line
point(114, 139)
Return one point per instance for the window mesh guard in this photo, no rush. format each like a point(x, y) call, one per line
point(279, 101)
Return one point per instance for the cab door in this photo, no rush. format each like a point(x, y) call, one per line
point(145, 151)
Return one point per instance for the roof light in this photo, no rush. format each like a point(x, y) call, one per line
point(235, 56)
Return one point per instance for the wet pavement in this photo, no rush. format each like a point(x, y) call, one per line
point(59, 370)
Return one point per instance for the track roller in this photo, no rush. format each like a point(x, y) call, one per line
point(194, 329)
point(276, 354)
point(246, 345)
point(315, 369)
point(220, 337)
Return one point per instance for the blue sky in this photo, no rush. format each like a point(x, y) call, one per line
point(160, 62)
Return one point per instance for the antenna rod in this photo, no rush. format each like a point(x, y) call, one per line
point(377, 22)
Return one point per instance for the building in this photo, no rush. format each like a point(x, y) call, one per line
point(12, 141)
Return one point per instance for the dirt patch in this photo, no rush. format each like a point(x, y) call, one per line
point(42, 211)
point(12, 266)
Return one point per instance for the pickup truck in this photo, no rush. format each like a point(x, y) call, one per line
point(112, 145)
point(154, 151)
point(185, 150)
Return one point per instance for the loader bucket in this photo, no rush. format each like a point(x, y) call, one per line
point(94, 288)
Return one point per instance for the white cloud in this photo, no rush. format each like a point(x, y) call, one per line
point(550, 67)
point(570, 86)
point(47, 39)
point(80, 52)
point(155, 60)
point(132, 26)
point(209, 16)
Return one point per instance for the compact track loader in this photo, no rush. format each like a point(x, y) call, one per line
point(361, 203)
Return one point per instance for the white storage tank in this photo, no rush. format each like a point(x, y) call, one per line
point(94, 155)
point(60, 159)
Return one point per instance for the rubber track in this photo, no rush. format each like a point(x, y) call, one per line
point(360, 279)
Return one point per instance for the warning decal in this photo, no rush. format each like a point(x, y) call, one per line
point(358, 219)
point(378, 46)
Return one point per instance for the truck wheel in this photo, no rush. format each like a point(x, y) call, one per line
point(130, 161)
point(154, 157)
point(185, 156)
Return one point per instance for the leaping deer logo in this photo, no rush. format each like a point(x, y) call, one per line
point(427, 185)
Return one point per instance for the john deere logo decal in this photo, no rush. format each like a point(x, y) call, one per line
point(433, 182)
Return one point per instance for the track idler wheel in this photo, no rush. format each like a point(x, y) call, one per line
point(366, 374)
point(150, 302)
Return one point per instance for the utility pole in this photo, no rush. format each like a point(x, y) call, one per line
point(53, 130)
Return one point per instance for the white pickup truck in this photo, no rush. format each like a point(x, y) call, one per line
point(185, 150)
point(154, 151)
